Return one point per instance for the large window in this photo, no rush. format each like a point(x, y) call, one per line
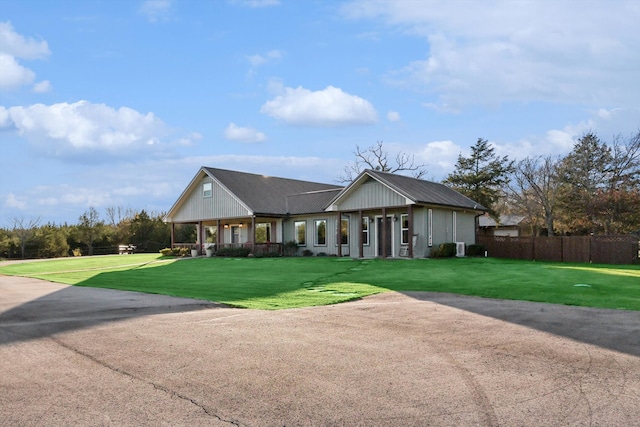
point(301, 233)
point(263, 233)
point(404, 227)
point(344, 231)
point(321, 232)
point(207, 189)
point(365, 230)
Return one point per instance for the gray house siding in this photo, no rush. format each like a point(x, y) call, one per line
point(372, 194)
point(220, 205)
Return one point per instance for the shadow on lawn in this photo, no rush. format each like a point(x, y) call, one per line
point(617, 330)
point(77, 307)
point(80, 307)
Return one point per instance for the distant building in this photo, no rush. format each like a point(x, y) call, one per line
point(506, 226)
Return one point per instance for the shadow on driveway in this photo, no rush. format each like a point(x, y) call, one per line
point(32, 308)
point(617, 330)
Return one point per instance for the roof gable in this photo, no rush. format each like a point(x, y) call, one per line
point(413, 190)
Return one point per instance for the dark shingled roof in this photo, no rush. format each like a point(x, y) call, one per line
point(275, 196)
point(312, 202)
point(425, 192)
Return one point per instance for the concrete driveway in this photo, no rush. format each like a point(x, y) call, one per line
point(82, 356)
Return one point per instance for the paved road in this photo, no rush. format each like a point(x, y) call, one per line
point(82, 356)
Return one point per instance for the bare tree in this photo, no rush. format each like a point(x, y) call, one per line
point(24, 230)
point(535, 188)
point(89, 227)
point(376, 158)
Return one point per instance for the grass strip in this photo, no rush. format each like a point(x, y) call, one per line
point(276, 283)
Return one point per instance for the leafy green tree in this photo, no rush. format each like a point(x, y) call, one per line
point(482, 176)
point(52, 241)
point(8, 243)
point(149, 234)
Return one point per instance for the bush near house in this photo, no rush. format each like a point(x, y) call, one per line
point(475, 250)
point(444, 250)
point(237, 252)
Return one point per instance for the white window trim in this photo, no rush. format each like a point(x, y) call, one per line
point(315, 232)
point(344, 219)
point(402, 229)
point(365, 220)
point(207, 187)
point(430, 226)
point(454, 227)
point(295, 231)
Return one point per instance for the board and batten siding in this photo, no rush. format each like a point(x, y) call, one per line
point(372, 194)
point(221, 204)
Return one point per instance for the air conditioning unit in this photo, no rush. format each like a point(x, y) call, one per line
point(459, 249)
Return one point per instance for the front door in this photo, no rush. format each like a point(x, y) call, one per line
point(379, 238)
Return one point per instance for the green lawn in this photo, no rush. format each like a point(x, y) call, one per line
point(274, 283)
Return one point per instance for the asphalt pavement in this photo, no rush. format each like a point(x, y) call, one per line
point(83, 356)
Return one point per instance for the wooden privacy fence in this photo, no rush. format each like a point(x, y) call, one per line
point(595, 249)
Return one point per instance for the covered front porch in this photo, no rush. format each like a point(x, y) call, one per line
point(257, 235)
point(384, 232)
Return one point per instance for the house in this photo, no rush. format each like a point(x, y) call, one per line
point(506, 226)
point(379, 214)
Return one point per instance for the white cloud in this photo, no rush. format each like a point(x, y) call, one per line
point(393, 116)
point(13, 74)
point(323, 108)
point(156, 10)
point(13, 201)
point(261, 59)
point(234, 132)
point(439, 157)
point(86, 131)
point(501, 51)
point(12, 47)
point(42, 87)
point(13, 44)
point(256, 3)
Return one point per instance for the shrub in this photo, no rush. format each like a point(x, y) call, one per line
point(239, 252)
point(475, 250)
point(307, 252)
point(290, 248)
point(444, 250)
point(167, 252)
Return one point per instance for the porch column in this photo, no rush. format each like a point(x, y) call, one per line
point(173, 234)
point(384, 232)
point(219, 235)
point(339, 234)
point(410, 226)
point(360, 242)
point(253, 233)
point(199, 237)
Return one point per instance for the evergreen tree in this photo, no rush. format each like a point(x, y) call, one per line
point(482, 176)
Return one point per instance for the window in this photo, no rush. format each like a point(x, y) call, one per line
point(207, 189)
point(404, 227)
point(430, 220)
point(301, 233)
point(365, 230)
point(321, 232)
point(211, 235)
point(344, 231)
point(454, 221)
point(263, 233)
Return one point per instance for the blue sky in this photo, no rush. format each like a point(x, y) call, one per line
point(118, 103)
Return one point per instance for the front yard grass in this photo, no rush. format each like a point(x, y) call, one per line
point(276, 283)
